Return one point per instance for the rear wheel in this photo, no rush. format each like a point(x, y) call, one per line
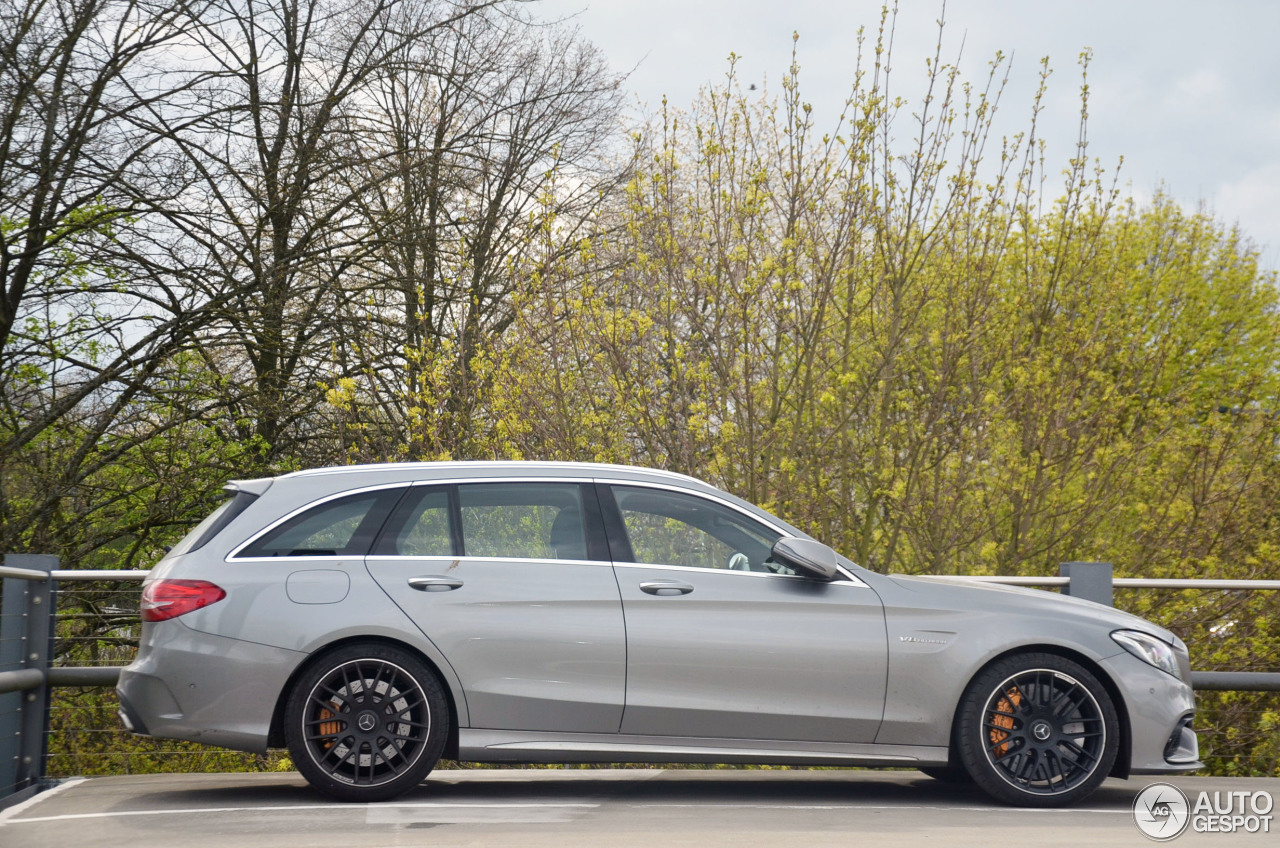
point(366, 722)
point(1037, 730)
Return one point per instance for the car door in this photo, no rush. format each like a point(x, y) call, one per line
point(511, 581)
point(723, 643)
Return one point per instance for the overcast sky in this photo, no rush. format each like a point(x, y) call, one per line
point(1187, 91)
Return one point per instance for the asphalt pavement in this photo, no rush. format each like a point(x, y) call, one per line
point(653, 808)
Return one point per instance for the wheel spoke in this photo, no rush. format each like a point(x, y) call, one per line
point(388, 762)
point(1079, 752)
point(332, 738)
point(411, 701)
point(338, 759)
point(1059, 768)
point(376, 697)
point(1064, 697)
point(346, 684)
point(1011, 751)
point(327, 705)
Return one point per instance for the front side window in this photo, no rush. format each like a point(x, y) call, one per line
point(671, 528)
point(342, 527)
point(522, 520)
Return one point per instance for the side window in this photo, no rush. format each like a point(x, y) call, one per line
point(215, 523)
point(341, 527)
point(670, 528)
point(419, 526)
point(523, 520)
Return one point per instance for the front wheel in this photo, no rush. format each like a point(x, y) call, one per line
point(366, 722)
point(1037, 730)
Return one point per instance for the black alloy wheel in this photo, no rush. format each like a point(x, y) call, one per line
point(366, 722)
point(1037, 730)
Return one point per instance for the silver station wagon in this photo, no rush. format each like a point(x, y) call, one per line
point(374, 619)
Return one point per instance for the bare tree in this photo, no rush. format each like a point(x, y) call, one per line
point(92, 308)
point(270, 207)
point(486, 150)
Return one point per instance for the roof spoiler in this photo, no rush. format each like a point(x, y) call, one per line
point(253, 487)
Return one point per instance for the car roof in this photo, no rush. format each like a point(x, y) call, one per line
point(326, 481)
point(494, 468)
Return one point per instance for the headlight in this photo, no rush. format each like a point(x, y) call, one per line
point(1149, 649)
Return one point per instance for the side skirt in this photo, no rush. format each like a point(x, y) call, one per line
point(531, 746)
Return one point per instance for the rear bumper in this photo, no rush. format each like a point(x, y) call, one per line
point(204, 688)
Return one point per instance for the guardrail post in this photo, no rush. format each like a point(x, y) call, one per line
point(1089, 580)
point(25, 621)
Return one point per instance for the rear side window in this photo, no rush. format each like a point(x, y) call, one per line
point(522, 520)
point(341, 527)
point(214, 524)
point(420, 526)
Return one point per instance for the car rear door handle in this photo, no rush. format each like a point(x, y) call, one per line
point(665, 587)
point(434, 583)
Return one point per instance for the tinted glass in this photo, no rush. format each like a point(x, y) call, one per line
point(342, 527)
point(213, 525)
point(419, 526)
point(669, 528)
point(523, 520)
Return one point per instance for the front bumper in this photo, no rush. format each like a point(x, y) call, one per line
point(1160, 709)
point(204, 688)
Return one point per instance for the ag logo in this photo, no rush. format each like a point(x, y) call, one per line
point(1161, 811)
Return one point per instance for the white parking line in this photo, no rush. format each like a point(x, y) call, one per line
point(365, 808)
point(853, 805)
point(38, 797)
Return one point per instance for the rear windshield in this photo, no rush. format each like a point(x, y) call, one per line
point(212, 526)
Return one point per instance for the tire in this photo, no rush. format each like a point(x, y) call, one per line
point(366, 722)
point(1037, 730)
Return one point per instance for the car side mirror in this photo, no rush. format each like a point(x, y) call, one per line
point(805, 555)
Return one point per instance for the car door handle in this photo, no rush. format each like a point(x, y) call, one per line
point(434, 583)
point(665, 587)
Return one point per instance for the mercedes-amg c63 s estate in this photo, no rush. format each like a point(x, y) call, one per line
point(374, 619)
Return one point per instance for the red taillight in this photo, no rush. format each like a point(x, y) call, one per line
point(166, 599)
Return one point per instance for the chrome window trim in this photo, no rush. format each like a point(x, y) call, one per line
point(464, 559)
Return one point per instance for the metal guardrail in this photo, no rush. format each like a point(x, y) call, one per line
point(29, 607)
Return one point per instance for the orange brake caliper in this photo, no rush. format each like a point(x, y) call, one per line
point(1009, 703)
point(329, 728)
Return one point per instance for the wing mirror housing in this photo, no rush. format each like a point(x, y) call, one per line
point(806, 555)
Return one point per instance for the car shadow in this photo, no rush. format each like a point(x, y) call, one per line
point(837, 788)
